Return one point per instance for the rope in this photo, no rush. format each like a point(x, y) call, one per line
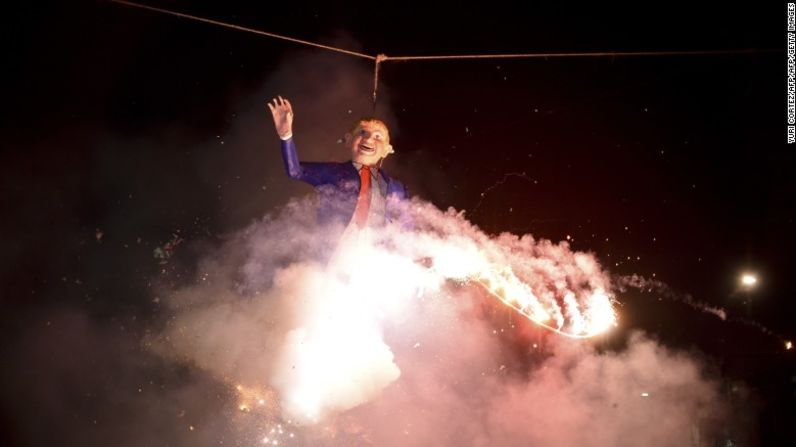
point(383, 58)
point(242, 28)
point(379, 59)
point(582, 54)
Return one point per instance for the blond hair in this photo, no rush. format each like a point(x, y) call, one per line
point(371, 119)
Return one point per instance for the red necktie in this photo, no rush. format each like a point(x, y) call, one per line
point(363, 201)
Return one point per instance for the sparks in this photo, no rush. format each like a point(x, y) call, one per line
point(600, 317)
point(569, 311)
point(250, 398)
point(339, 344)
point(580, 317)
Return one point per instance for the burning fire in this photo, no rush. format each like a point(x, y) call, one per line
point(543, 290)
point(576, 320)
point(334, 356)
point(564, 293)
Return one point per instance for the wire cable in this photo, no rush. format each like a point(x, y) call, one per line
point(380, 58)
point(242, 28)
point(577, 54)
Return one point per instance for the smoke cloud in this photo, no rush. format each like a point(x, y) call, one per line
point(379, 338)
point(661, 289)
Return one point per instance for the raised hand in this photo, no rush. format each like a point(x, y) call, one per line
point(282, 112)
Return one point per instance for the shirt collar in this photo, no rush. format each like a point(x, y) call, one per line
point(373, 169)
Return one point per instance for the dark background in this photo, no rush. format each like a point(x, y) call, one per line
point(673, 168)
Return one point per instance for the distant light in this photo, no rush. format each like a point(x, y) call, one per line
point(748, 279)
point(645, 394)
point(788, 345)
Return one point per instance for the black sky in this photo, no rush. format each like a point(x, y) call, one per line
point(668, 166)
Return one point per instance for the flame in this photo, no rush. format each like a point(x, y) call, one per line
point(570, 312)
point(591, 315)
point(543, 290)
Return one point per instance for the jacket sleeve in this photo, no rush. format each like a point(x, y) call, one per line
point(313, 173)
point(290, 157)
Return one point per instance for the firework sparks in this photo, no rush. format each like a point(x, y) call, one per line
point(322, 349)
point(556, 300)
point(255, 398)
point(556, 288)
point(590, 316)
point(259, 405)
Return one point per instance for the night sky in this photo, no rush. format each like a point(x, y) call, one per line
point(125, 129)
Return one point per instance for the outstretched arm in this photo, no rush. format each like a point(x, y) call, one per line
point(282, 112)
point(312, 173)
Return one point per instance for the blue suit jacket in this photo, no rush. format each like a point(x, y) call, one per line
point(338, 185)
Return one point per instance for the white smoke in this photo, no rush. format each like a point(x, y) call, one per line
point(661, 289)
point(378, 337)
